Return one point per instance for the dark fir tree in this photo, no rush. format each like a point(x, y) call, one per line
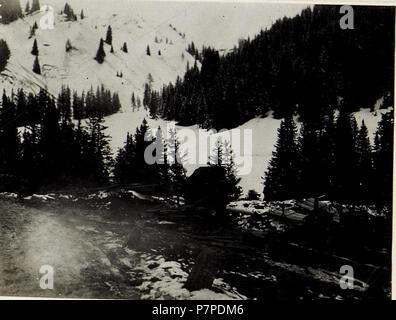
point(383, 160)
point(365, 164)
point(148, 51)
point(109, 36)
point(35, 50)
point(131, 165)
point(64, 104)
point(98, 151)
point(123, 166)
point(280, 178)
point(177, 171)
point(36, 66)
point(10, 10)
point(27, 7)
point(4, 54)
point(125, 47)
point(346, 182)
point(21, 108)
point(100, 55)
point(78, 106)
point(68, 45)
point(35, 6)
point(133, 100)
point(9, 137)
point(68, 11)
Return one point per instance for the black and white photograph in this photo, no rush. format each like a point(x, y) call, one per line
point(159, 150)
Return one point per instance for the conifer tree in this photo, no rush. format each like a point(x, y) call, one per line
point(346, 183)
point(27, 7)
point(177, 170)
point(10, 10)
point(130, 162)
point(148, 51)
point(99, 153)
point(226, 185)
point(123, 167)
point(64, 104)
point(35, 6)
point(133, 100)
point(280, 178)
point(36, 66)
point(68, 45)
point(109, 36)
point(125, 47)
point(78, 106)
point(365, 164)
point(21, 108)
point(67, 10)
point(35, 50)
point(4, 54)
point(9, 136)
point(82, 16)
point(383, 160)
point(100, 55)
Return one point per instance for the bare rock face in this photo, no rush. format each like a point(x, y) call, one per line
point(205, 269)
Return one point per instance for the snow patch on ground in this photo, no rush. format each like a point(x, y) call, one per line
point(165, 280)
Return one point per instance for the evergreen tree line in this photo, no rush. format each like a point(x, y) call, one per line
point(193, 50)
point(93, 103)
point(166, 165)
point(337, 161)
point(131, 164)
point(29, 111)
point(49, 150)
point(303, 65)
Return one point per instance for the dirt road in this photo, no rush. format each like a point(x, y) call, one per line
point(87, 254)
point(105, 248)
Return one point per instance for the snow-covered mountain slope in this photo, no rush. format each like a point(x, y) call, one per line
point(263, 133)
point(173, 24)
point(138, 24)
point(77, 68)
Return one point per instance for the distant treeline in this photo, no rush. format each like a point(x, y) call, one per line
point(304, 65)
point(99, 102)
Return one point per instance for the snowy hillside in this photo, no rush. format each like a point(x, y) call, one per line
point(263, 131)
point(174, 25)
